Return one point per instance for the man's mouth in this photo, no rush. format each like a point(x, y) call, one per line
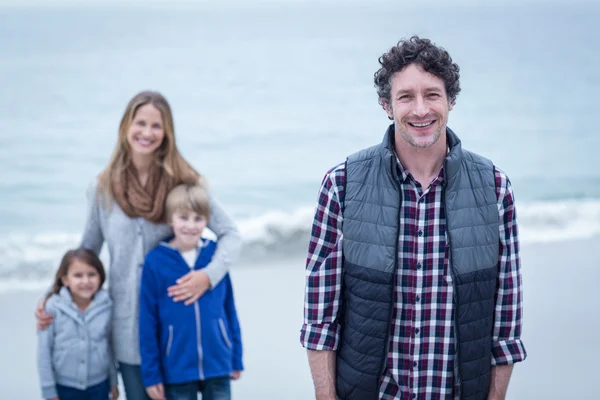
point(421, 124)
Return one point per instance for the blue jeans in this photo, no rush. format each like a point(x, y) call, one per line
point(96, 392)
point(212, 389)
point(132, 382)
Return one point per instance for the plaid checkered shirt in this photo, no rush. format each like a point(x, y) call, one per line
point(420, 361)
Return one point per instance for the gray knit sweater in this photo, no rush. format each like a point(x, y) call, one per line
point(129, 240)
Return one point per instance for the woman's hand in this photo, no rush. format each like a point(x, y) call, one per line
point(156, 392)
point(190, 287)
point(235, 375)
point(114, 393)
point(43, 319)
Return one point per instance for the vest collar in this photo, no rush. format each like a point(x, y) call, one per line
point(454, 158)
point(451, 163)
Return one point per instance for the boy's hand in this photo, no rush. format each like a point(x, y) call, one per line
point(235, 375)
point(156, 392)
point(190, 287)
point(43, 319)
point(114, 393)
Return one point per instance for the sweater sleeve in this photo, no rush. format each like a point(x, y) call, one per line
point(44, 358)
point(112, 366)
point(229, 241)
point(93, 238)
point(234, 325)
point(149, 327)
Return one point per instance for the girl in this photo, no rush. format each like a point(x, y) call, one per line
point(74, 355)
point(126, 210)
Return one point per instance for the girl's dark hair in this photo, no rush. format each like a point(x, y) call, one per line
point(424, 53)
point(83, 255)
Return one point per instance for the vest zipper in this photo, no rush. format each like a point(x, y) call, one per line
point(389, 319)
point(455, 298)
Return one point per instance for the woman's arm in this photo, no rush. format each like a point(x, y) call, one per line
point(92, 238)
point(229, 243)
point(193, 285)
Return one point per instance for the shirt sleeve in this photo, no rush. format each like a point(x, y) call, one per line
point(507, 346)
point(322, 300)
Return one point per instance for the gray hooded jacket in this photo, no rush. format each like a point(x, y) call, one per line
point(74, 350)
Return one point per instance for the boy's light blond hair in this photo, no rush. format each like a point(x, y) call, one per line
point(188, 197)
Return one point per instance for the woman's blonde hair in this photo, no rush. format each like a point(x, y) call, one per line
point(167, 156)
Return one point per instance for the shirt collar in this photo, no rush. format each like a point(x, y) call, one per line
point(404, 174)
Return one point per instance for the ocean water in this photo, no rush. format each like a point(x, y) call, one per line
point(267, 96)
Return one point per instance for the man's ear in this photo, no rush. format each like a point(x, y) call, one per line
point(450, 105)
point(388, 108)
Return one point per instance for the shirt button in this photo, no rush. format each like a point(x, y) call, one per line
point(414, 364)
point(417, 331)
point(417, 299)
point(420, 233)
point(414, 395)
point(419, 265)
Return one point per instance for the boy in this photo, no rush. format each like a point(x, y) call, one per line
point(186, 349)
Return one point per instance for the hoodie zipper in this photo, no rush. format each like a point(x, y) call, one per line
point(198, 336)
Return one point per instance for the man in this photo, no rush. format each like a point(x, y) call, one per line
point(413, 284)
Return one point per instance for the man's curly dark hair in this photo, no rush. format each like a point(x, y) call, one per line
point(423, 52)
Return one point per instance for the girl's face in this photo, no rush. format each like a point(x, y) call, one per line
point(146, 133)
point(82, 280)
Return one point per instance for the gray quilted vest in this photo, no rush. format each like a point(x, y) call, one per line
point(370, 230)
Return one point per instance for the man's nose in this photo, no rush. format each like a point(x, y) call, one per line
point(421, 108)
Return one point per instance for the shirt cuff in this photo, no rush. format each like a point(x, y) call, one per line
point(49, 392)
point(505, 352)
point(320, 336)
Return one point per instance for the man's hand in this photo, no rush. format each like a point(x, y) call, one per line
point(190, 287)
point(43, 319)
point(156, 392)
point(235, 375)
point(114, 393)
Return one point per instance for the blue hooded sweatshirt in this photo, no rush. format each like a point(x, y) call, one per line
point(180, 343)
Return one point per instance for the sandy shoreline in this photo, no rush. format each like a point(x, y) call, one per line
point(561, 321)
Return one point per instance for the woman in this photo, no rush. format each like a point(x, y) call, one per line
point(126, 210)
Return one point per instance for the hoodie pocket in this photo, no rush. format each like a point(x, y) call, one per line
point(224, 332)
point(169, 341)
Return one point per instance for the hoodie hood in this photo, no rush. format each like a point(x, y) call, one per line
point(64, 301)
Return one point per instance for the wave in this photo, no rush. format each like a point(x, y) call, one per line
point(28, 261)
